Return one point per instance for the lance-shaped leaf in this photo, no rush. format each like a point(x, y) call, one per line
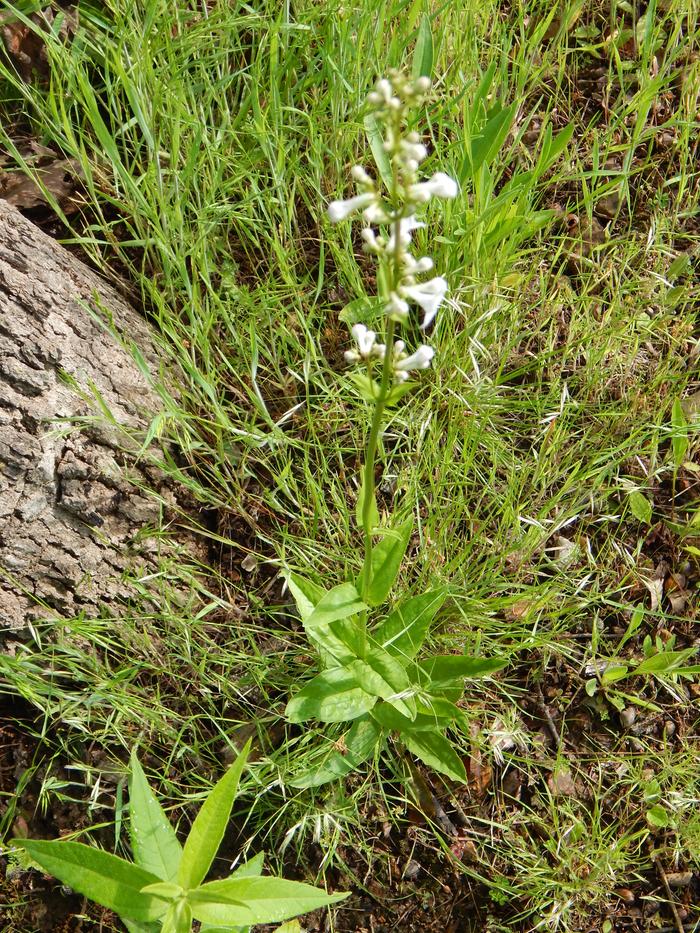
point(403, 632)
point(104, 878)
point(210, 824)
point(339, 603)
point(383, 676)
point(357, 745)
point(153, 840)
point(391, 720)
point(384, 565)
point(239, 901)
point(332, 696)
point(307, 594)
point(445, 668)
point(435, 750)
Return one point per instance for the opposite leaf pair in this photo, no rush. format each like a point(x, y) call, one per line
point(373, 679)
point(163, 890)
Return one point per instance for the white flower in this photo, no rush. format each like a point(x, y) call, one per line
point(375, 213)
point(397, 309)
point(439, 186)
point(406, 227)
point(364, 338)
point(361, 176)
point(339, 210)
point(417, 266)
point(418, 360)
point(428, 295)
point(371, 243)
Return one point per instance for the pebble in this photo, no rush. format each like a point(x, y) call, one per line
point(628, 716)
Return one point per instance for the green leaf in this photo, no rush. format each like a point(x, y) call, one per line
point(373, 510)
point(435, 750)
point(360, 310)
point(210, 824)
point(250, 901)
point(376, 144)
point(664, 662)
point(252, 868)
point(640, 507)
point(178, 918)
point(341, 602)
point(306, 593)
point(423, 55)
point(383, 676)
point(332, 696)
point(292, 926)
point(368, 389)
point(386, 560)
point(485, 146)
point(612, 674)
point(680, 433)
point(165, 890)
point(658, 817)
point(153, 840)
point(98, 875)
point(359, 743)
point(443, 668)
point(403, 632)
point(392, 720)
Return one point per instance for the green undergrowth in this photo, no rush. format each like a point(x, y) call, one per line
point(540, 456)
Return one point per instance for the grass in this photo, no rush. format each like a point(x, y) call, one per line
point(209, 138)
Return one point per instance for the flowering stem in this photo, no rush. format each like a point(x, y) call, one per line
point(368, 481)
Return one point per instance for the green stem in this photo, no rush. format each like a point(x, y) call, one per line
point(368, 480)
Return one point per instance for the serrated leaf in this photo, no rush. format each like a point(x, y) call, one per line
point(306, 593)
point(435, 750)
point(98, 875)
point(385, 563)
point(332, 696)
point(423, 54)
point(445, 668)
point(251, 901)
point(153, 840)
point(640, 507)
point(403, 632)
point(210, 825)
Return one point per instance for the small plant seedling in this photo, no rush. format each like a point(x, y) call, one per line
point(164, 889)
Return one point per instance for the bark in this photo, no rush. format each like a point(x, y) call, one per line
point(69, 518)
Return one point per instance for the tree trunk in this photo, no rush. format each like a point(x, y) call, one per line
point(68, 517)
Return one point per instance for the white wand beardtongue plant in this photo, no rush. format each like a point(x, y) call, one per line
point(370, 677)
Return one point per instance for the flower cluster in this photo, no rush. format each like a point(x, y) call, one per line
point(396, 209)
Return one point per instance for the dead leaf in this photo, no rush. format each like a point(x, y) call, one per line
point(561, 783)
point(58, 178)
point(25, 44)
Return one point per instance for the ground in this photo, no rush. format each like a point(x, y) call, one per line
point(550, 456)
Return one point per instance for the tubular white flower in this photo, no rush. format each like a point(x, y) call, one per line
point(361, 176)
point(418, 360)
point(339, 210)
point(439, 186)
point(428, 295)
point(371, 243)
point(406, 227)
point(397, 308)
point(375, 213)
point(364, 338)
point(417, 266)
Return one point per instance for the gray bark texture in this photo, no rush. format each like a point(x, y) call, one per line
point(68, 516)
